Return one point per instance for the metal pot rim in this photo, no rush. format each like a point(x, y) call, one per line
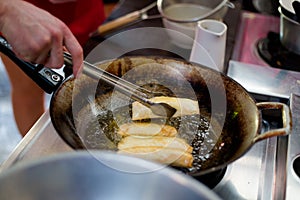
point(285, 6)
point(287, 17)
point(288, 11)
point(224, 3)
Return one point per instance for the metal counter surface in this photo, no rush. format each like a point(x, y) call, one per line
point(41, 140)
point(292, 179)
point(255, 170)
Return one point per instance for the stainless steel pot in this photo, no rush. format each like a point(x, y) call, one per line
point(289, 33)
point(98, 175)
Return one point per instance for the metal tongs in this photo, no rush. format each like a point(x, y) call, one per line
point(127, 19)
point(131, 90)
point(49, 80)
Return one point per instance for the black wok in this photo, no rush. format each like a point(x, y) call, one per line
point(85, 111)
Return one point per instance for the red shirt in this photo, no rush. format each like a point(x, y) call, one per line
point(82, 16)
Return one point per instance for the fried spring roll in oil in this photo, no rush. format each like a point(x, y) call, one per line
point(184, 107)
point(167, 156)
point(146, 129)
point(157, 141)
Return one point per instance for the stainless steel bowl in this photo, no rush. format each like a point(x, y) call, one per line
point(98, 175)
point(181, 17)
point(187, 11)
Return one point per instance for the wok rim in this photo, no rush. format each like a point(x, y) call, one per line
point(258, 116)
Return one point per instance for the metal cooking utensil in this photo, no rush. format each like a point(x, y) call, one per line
point(127, 19)
point(48, 80)
point(133, 91)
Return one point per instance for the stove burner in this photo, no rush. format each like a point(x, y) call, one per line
point(276, 55)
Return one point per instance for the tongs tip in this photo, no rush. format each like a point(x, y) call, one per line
point(163, 110)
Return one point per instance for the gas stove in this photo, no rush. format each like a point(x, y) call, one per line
point(259, 63)
point(270, 73)
point(276, 55)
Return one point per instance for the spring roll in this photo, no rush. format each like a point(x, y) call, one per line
point(146, 129)
point(166, 156)
point(184, 107)
point(157, 141)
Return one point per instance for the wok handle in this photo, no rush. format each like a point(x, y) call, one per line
point(46, 78)
point(286, 120)
point(122, 21)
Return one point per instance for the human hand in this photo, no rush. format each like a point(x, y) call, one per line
point(37, 36)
